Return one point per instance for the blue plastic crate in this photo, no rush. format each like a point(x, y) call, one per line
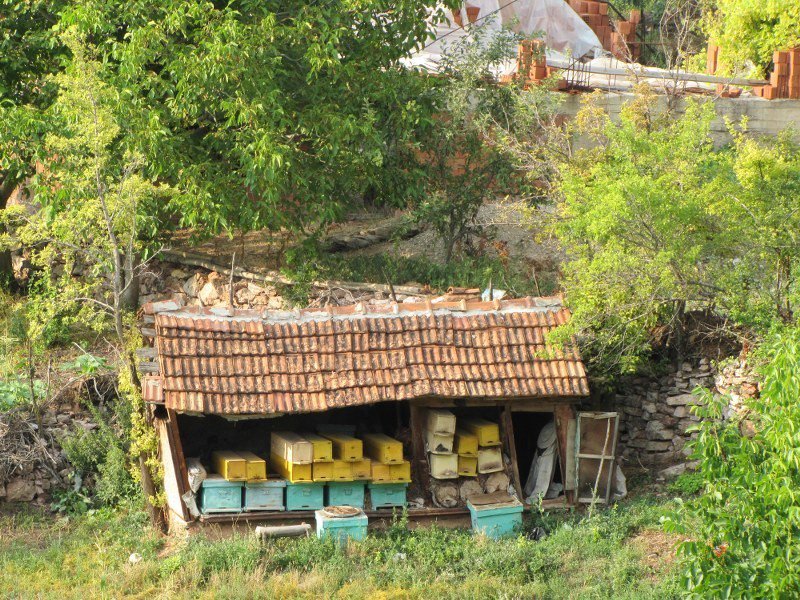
point(264, 495)
point(387, 495)
point(218, 495)
point(496, 521)
point(305, 496)
point(341, 528)
point(345, 493)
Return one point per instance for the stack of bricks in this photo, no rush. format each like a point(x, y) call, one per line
point(618, 38)
point(532, 64)
point(784, 80)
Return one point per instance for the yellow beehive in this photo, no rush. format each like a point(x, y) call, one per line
point(291, 471)
point(291, 447)
point(229, 464)
point(256, 466)
point(362, 469)
point(322, 471)
point(441, 421)
point(342, 470)
point(382, 448)
point(345, 447)
point(443, 466)
point(439, 443)
point(467, 466)
point(322, 447)
point(400, 473)
point(381, 473)
point(466, 444)
point(490, 460)
point(488, 433)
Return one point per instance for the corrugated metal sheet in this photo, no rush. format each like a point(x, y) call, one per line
point(242, 362)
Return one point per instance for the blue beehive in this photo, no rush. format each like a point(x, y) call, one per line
point(387, 495)
point(496, 520)
point(345, 493)
point(218, 495)
point(264, 495)
point(341, 528)
point(305, 496)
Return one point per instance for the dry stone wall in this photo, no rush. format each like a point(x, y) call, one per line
point(655, 410)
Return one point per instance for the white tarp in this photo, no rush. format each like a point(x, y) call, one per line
point(563, 30)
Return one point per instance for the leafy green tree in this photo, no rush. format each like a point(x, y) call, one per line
point(655, 223)
point(751, 30)
point(469, 150)
point(741, 531)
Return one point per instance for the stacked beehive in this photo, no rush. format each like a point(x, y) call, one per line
point(391, 473)
point(490, 457)
point(239, 483)
point(472, 448)
point(440, 433)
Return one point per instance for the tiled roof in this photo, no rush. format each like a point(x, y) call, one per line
point(236, 362)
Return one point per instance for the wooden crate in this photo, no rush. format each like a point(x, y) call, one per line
point(341, 529)
point(381, 472)
point(292, 447)
point(322, 447)
point(345, 447)
point(467, 466)
point(441, 421)
point(256, 466)
point(291, 471)
point(490, 460)
point(400, 473)
point(345, 493)
point(322, 471)
point(362, 469)
point(218, 495)
point(439, 443)
point(383, 448)
point(466, 443)
point(443, 466)
point(305, 496)
point(488, 433)
point(496, 520)
point(387, 495)
point(229, 465)
point(264, 495)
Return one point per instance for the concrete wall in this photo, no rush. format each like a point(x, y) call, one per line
point(767, 117)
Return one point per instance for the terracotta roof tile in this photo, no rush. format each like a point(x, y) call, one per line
point(312, 360)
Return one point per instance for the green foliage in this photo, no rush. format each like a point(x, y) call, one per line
point(463, 152)
point(87, 557)
point(688, 484)
point(749, 31)
point(466, 271)
point(71, 502)
point(743, 529)
point(655, 223)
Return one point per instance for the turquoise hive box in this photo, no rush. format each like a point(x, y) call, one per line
point(496, 519)
point(218, 495)
point(305, 496)
point(341, 528)
point(264, 495)
point(345, 493)
point(387, 495)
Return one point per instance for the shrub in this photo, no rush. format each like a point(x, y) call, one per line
point(743, 529)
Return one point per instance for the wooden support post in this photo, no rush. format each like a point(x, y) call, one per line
point(564, 413)
point(507, 433)
point(419, 462)
point(178, 458)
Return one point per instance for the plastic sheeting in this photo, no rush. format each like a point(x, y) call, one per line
point(563, 30)
point(540, 476)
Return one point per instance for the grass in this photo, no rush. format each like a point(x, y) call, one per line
point(618, 553)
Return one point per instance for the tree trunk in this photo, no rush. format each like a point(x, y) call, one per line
point(149, 489)
point(7, 186)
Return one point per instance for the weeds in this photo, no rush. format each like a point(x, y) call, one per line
point(87, 556)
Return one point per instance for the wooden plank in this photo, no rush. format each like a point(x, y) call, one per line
point(171, 472)
point(507, 433)
point(563, 414)
point(176, 447)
